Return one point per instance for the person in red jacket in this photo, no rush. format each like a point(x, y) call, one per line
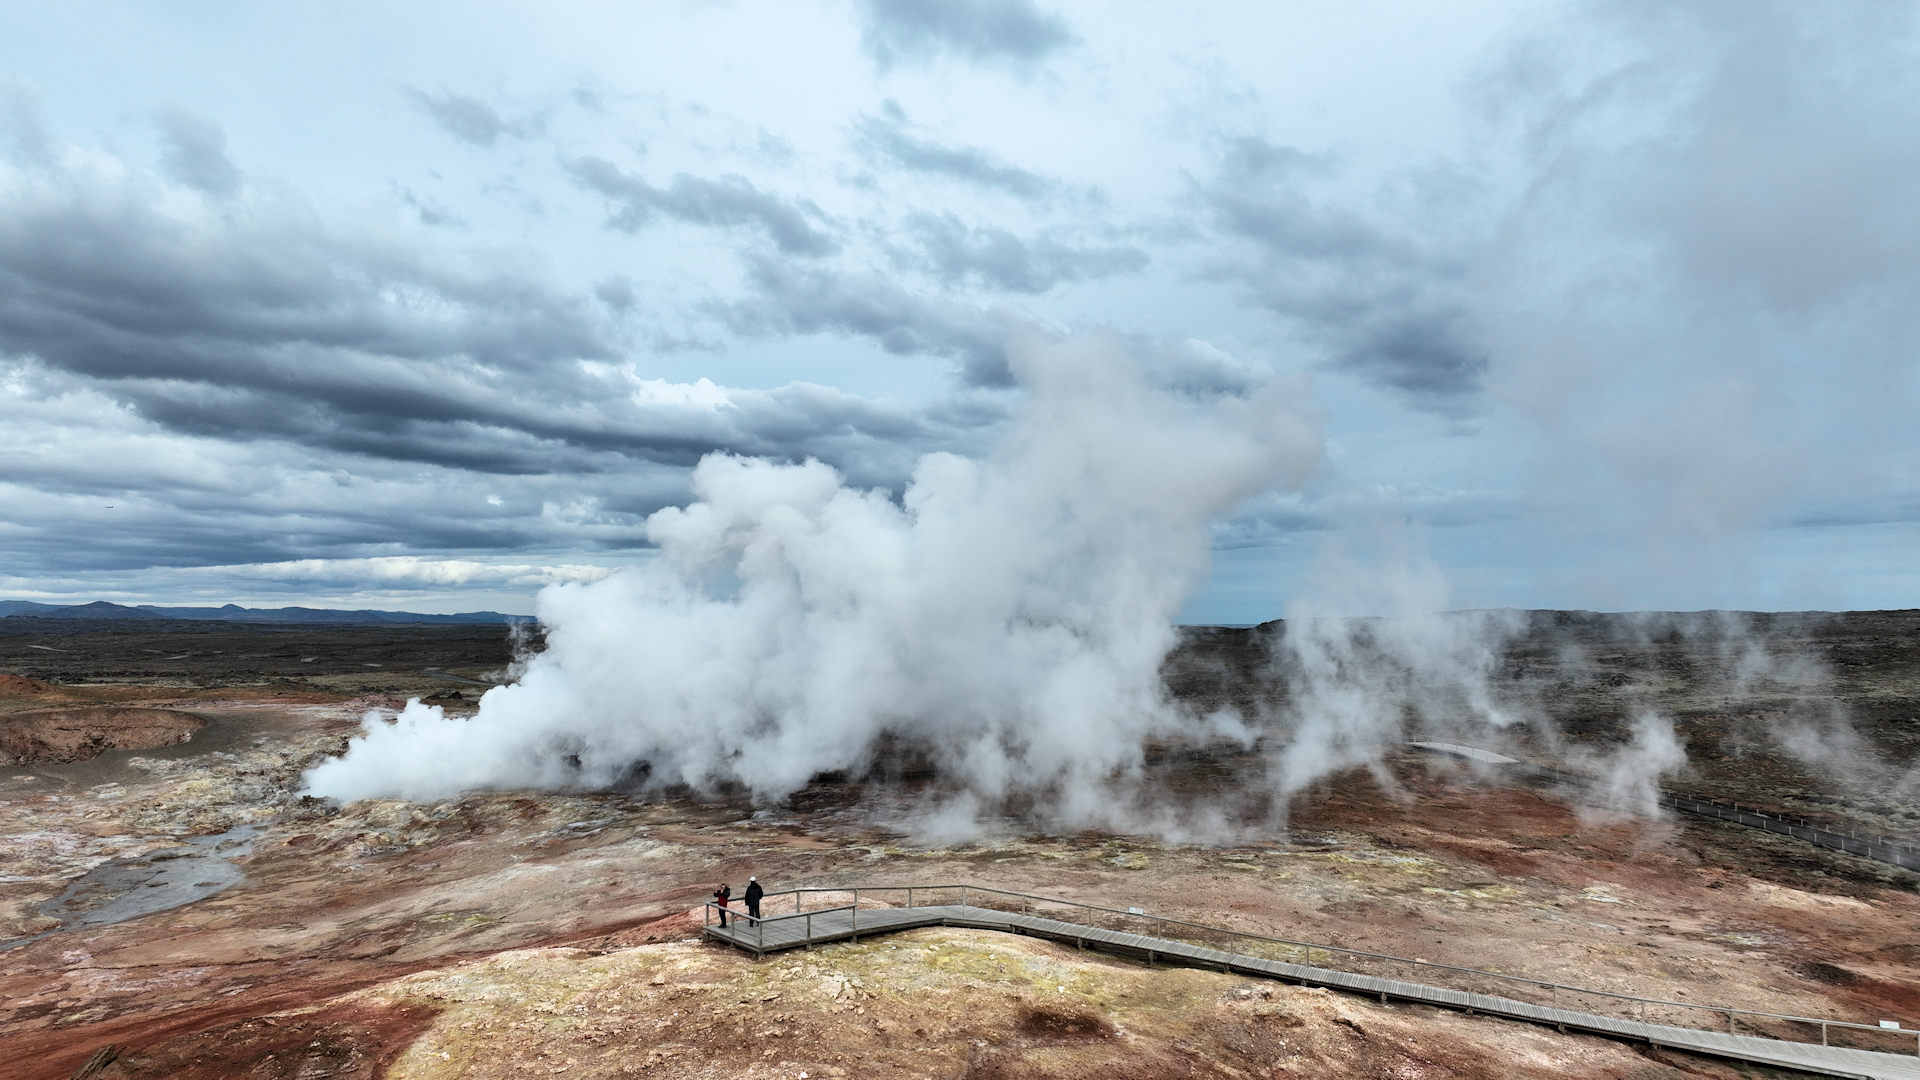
point(720, 896)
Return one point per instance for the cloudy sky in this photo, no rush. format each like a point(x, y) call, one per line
point(1602, 305)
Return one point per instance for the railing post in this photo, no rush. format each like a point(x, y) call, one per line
point(963, 896)
point(909, 896)
point(760, 935)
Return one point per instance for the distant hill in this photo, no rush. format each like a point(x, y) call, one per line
point(100, 609)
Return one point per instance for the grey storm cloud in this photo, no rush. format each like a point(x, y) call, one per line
point(235, 499)
point(1015, 33)
point(729, 201)
point(287, 332)
point(886, 141)
point(99, 283)
point(791, 299)
point(236, 364)
point(226, 530)
point(1372, 293)
point(181, 501)
point(193, 151)
point(956, 253)
point(502, 432)
point(469, 119)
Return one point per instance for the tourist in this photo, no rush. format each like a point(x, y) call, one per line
point(720, 896)
point(754, 893)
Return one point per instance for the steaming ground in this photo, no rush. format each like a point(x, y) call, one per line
point(1006, 618)
point(524, 932)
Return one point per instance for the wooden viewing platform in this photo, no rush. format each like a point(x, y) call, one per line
point(802, 928)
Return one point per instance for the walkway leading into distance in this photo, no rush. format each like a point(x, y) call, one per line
point(850, 922)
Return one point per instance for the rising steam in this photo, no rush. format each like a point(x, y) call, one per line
point(1358, 687)
point(1008, 617)
point(1628, 779)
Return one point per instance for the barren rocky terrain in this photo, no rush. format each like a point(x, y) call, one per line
point(181, 903)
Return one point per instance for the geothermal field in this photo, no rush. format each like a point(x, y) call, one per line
point(1232, 541)
point(193, 888)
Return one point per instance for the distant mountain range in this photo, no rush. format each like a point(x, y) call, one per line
point(100, 609)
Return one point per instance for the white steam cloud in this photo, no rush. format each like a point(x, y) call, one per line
point(1007, 617)
point(1359, 686)
point(1628, 779)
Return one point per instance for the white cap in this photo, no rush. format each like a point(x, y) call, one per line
point(753, 879)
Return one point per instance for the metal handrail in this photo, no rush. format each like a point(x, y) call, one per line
point(1308, 947)
point(742, 915)
point(1876, 846)
point(758, 922)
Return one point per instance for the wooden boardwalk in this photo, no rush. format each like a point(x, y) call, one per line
point(805, 929)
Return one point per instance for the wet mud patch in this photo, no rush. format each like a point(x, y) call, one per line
point(1831, 974)
point(122, 889)
point(345, 1042)
point(58, 736)
point(1040, 1022)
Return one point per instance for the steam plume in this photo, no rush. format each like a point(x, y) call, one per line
point(1008, 615)
point(1359, 686)
point(1629, 778)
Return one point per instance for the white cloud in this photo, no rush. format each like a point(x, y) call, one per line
point(411, 570)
